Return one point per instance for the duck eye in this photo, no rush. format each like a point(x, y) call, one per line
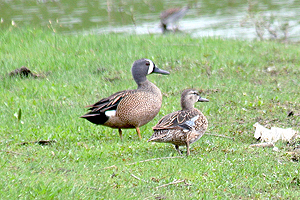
point(147, 63)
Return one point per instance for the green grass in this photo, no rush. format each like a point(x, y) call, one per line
point(90, 162)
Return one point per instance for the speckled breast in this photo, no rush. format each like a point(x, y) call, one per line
point(139, 109)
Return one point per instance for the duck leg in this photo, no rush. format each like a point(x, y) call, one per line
point(188, 148)
point(138, 132)
point(120, 134)
point(178, 150)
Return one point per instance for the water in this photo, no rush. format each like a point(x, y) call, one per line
point(228, 18)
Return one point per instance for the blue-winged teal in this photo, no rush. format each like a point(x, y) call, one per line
point(182, 127)
point(172, 16)
point(130, 108)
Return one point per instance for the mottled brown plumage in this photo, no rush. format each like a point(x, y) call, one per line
point(130, 108)
point(182, 127)
point(172, 16)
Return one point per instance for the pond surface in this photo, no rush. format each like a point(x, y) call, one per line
point(241, 19)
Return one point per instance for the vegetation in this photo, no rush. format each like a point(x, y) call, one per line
point(246, 82)
point(267, 26)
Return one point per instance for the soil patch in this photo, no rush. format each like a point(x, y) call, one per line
point(24, 72)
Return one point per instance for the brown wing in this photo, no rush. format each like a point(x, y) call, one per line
point(168, 12)
point(109, 103)
point(176, 120)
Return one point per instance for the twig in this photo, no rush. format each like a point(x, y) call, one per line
point(224, 136)
point(11, 152)
point(134, 176)
point(93, 188)
point(156, 196)
point(262, 145)
point(172, 183)
point(113, 166)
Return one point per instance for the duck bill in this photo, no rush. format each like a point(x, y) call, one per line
point(203, 99)
point(160, 71)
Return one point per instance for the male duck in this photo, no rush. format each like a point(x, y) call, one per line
point(182, 127)
point(130, 108)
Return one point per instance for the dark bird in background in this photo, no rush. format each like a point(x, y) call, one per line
point(171, 17)
point(130, 108)
point(182, 127)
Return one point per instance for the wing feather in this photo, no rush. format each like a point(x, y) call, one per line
point(176, 120)
point(109, 103)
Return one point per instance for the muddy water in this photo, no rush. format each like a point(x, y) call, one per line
point(228, 18)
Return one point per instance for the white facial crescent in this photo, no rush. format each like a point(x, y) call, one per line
point(151, 66)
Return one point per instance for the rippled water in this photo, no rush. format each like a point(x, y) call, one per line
point(231, 18)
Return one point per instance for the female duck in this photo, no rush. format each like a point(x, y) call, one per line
point(182, 127)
